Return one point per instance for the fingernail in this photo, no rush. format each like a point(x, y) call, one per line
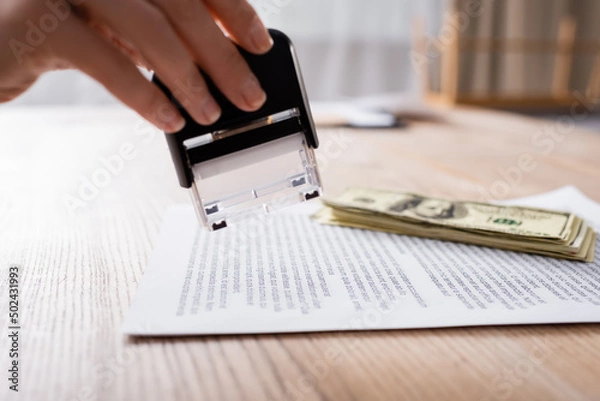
point(253, 93)
point(259, 36)
point(211, 110)
point(174, 122)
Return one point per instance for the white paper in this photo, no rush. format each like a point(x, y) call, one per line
point(287, 273)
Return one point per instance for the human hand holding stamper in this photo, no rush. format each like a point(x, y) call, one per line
point(107, 38)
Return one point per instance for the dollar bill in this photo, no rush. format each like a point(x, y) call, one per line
point(524, 229)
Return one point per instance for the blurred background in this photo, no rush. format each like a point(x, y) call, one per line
point(518, 54)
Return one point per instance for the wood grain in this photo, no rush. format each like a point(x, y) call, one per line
point(79, 270)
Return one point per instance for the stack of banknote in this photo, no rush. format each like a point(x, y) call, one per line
point(522, 229)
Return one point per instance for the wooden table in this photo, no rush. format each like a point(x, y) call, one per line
point(80, 266)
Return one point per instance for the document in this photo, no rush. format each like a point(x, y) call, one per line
point(287, 273)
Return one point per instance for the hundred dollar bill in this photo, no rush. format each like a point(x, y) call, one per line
point(532, 230)
point(510, 220)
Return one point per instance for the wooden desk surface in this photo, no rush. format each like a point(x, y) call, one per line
point(79, 269)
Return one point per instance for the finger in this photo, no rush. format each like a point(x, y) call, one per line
point(242, 22)
point(120, 43)
point(151, 33)
point(87, 51)
point(216, 54)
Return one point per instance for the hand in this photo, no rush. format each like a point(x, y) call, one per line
point(106, 38)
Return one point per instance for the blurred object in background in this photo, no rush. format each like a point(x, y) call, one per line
point(512, 53)
point(353, 48)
